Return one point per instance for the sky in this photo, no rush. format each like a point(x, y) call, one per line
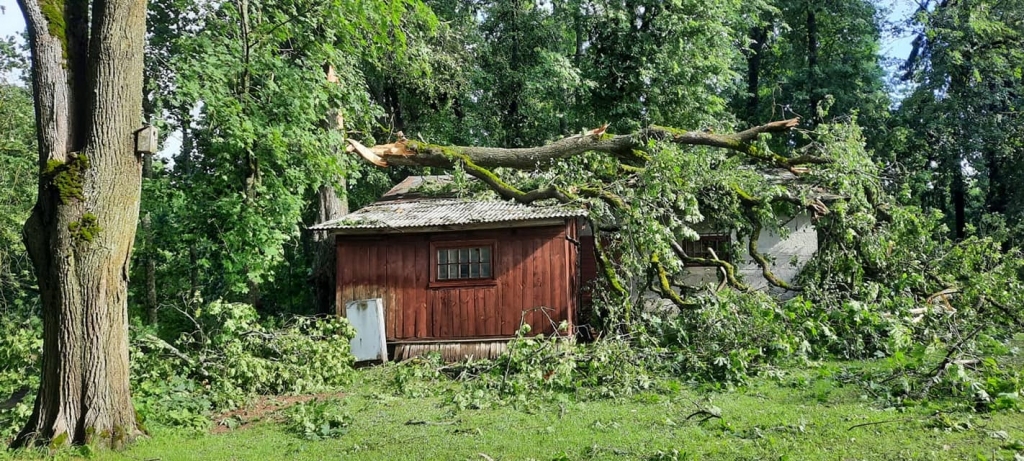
point(11, 21)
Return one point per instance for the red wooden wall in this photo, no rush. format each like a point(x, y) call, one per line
point(533, 267)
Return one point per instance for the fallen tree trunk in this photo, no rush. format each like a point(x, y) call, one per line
point(627, 148)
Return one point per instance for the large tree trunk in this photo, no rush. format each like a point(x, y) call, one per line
point(758, 42)
point(149, 259)
point(325, 255)
point(812, 64)
point(625, 147)
point(958, 191)
point(87, 79)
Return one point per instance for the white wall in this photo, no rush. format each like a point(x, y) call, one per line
point(787, 255)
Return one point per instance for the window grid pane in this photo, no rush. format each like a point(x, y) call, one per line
point(464, 263)
point(702, 247)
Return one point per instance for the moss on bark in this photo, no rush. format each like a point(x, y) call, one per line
point(67, 177)
point(85, 230)
point(53, 11)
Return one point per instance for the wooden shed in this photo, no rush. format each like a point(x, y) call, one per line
point(459, 275)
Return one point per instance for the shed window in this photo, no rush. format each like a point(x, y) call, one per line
point(464, 263)
point(702, 248)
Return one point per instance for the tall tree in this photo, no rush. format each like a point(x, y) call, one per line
point(802, 53)
point(87, 84)
point(245, 85)
point(958, 134)
point(670, 63)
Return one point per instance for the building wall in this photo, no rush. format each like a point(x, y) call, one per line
point(533, 267)
point(788, 256)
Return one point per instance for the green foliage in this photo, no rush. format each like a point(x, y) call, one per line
point(260, 120)
point(821, 54)
point(727, 339)
point(176, 401)
point(418, 377)
point(318, 419)
point(527, 77)
point(538, 365)
point(955, 142)
point(20, 366)
point(890, 282)
point(666, 63)
point(305, 355)
point(534, 369)
point(17, 195)
point(233, 355)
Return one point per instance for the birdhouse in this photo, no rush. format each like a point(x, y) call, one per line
point(146, 140)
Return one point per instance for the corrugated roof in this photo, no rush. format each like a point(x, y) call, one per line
point(442, 212)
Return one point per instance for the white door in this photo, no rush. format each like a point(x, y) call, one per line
point(367, 316)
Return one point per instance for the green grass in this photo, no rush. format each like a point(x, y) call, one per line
point(808, 415)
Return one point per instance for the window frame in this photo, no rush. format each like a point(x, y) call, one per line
point(436, 245)
point(703, 239)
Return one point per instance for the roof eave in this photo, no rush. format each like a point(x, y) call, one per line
point(447, 228)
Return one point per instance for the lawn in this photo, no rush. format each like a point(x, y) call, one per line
point(806, 414)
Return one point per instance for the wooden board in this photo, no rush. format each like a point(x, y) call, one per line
point(453, 352)
point(532, 268)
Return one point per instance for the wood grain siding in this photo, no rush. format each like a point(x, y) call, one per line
point(533, 267)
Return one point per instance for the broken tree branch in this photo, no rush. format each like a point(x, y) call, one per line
point(729, 269)
point(609, 271)
point(628, 148)
point(610, 198)
point(761, 261)
point(1016, 319)
point(666, 286)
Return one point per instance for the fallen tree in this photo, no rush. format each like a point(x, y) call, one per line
point(886, 281)
point(646, 189)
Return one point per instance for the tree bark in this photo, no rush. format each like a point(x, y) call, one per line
point(958, 191)
point(87, 86)
point(812, 62)
point(329, 207)
point(325, 255)
point(758, 41)
point(148, 259)
point(625, 147)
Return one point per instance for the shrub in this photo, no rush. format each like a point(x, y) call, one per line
point(550, 367)
point(21, 347)
point(241, 357)
point(318, 419)
point(729, 337)
point(232, 356)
